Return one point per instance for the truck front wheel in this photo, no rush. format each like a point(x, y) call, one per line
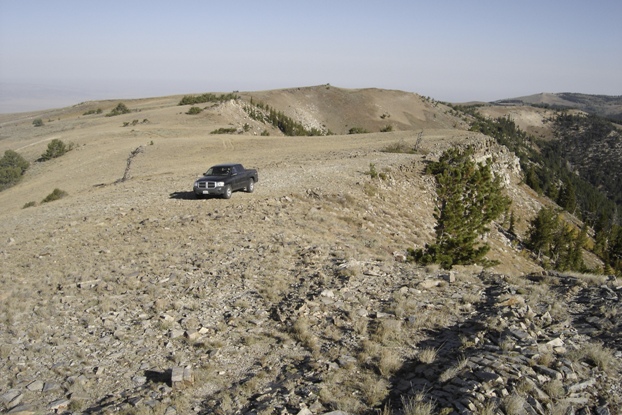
point(250, 187)
point(227, 193)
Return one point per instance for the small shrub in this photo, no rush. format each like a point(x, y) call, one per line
point(38, 122)
point(12, 167)
point(357, 130)
point(55, 195)
point(29, 204)
point(265, 133)
point(121, 108)
point(386, 129)
point(224, 131)
point(56, 148)
point(91, 112)
point(194, 111)
point(399, 147)
point(373, 173)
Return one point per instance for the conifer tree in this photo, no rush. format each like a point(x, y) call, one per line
point(567, 197)
point(555, 239)
point(469, 197)
point(542, 231)
point(615, 249)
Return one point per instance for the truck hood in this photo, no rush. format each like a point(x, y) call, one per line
point(212, 179)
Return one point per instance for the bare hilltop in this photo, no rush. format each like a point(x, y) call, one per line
point(129, 295)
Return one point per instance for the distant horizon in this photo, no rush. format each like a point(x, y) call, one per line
point(31, 97)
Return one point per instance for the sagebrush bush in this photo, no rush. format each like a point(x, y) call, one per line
point(56, 148)
point(121, 108)
point(224, 131)
point(55, 195)
point(357, 130)
point(194, 111)
point(12, 167)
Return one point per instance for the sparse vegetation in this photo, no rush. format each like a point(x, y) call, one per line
point(357, 130)
point(416, 405)
point(194, 110)
point(56, 148)
point(12, 168)
point(223, 130)
point(55, 195)
point(427, 355)
point(288, 126)
point(121, 108)
point(38, 122)
point(93, 111)
point(373, 173)
point(204, 98)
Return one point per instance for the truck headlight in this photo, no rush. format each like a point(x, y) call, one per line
point(219, 184)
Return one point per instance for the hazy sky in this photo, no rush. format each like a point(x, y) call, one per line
point(61, 52)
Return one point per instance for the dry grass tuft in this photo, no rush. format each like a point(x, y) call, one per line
point(388, 330)
point(513, 404)
point(390, 361)
point(374, 390)
point(554, 388)
point(453, 371)
point(415, 405)
point(303, 333)
point(427, 355)
point(598, 355)
point(545, 359)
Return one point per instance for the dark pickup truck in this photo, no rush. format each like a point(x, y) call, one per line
point(224, 179)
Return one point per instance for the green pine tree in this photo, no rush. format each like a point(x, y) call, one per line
point(469, 198)
point(567, 197)
point(542, 231)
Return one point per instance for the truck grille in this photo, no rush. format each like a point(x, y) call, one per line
point(206, 185)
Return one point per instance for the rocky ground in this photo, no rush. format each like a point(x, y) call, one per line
point(136, 298)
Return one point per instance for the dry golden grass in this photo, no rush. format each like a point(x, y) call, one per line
point(389, 362)
point(389, 330)
point(554, 388)
point(597, 355)
point(513, 404)
point(427, 355)
point(454, 370)
point(303, 333)
point(415, 405)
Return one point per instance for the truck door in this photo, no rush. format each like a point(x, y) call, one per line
point(235, 177)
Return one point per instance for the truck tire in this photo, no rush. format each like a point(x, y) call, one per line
point(250, 187)
point(227, 193)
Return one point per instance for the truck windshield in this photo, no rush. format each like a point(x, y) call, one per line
point(218, 171)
